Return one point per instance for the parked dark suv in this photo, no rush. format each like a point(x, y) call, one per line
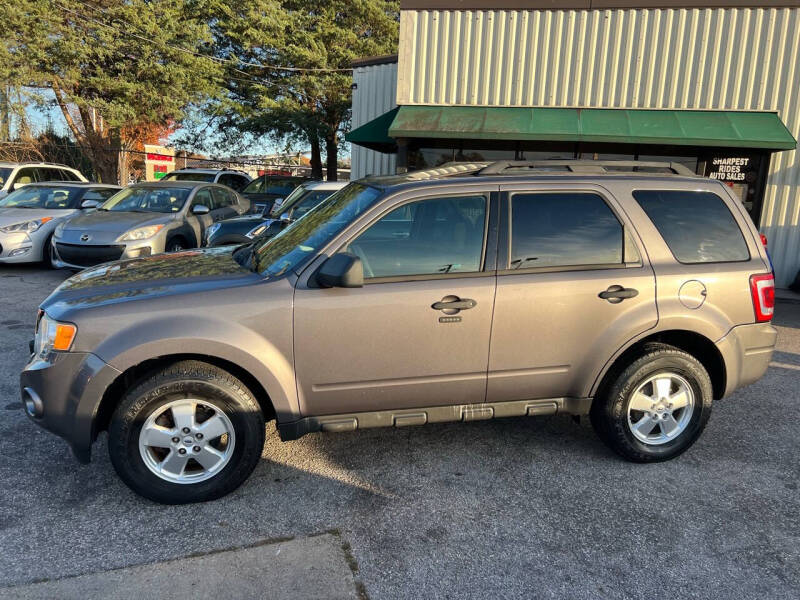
point(634, 293)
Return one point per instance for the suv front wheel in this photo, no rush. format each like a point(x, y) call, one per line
point(189, 433)
point(657, 407)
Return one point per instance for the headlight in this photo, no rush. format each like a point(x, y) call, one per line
point(213, 229)
point(52, 335)
point(27, 226)
point(257, 231)
point(59, 229)
point(142, 233)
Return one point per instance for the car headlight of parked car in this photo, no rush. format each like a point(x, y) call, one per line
point(59, 229)
point(213, 229)
point(27, 226)
point(141, 233)
point(52, 335)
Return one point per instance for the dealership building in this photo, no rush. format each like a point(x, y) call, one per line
point(713, 85)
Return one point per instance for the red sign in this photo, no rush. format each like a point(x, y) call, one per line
point(162, 157)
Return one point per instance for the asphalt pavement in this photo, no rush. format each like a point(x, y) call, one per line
point(516, 508)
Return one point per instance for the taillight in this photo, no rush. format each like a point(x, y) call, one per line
point(763, 290)
point(764, 240)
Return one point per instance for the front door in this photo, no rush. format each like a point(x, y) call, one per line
point(572, 288)
point(402, 341)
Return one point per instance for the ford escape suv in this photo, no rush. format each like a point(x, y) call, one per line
point(632, 293)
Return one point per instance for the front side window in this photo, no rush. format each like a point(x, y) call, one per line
point(25, 176)
point(203, 198)
point(222, 198)
point(146, 199)
point(47, 197)
point(697, 226)
point(428, 237)
point(564, 230)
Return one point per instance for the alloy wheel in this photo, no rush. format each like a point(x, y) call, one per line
point(187, 441)
point(661, 408)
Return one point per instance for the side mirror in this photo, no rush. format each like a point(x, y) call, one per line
point(200, 209)
point(90, 204)
point(286, 217)
point(342, 270)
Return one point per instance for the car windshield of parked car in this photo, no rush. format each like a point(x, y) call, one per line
point(300, 241)
point(147, 199)
point(207, 177)
point(4, 174)
point(49, 197)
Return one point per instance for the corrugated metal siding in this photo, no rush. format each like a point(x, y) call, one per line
point(731, 59)
point(375, 95)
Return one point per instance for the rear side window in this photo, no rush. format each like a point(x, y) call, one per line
point(697, 226)
point(564, 230)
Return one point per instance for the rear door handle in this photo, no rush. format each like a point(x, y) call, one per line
point(616, 294)
point(452, 304)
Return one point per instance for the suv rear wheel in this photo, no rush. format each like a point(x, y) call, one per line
point(657, 407)
point(189, 433)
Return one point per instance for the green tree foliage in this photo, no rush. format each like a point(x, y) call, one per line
point(110, 66)
point(289, 65)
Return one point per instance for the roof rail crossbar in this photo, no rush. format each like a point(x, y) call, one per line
point(584, 166)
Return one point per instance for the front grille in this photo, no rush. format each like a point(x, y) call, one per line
point(88, 256)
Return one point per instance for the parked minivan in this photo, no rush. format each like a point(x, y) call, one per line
point(632, 293)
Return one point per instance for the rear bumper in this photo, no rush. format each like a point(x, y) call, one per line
point(69, 386)
point(747, 351)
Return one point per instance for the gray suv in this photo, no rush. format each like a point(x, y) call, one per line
point(632, 293)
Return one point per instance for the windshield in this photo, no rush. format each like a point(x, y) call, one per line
point(300, 240)
point(55, 197)
point(207, 177)
point(147, 199)
point(4, 173)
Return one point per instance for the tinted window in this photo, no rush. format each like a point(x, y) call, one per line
point(46, 174)
point(436, 236)
point(222, 198)
point(207, 177)
point(562, 230)
point(203, 197)
point(697, 226)
point(69, 176)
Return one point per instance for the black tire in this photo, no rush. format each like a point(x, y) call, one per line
point(209, 385)
point(47, 254)
point(609, 414)
point(175, 245)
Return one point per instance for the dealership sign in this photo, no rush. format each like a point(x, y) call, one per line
point(730, 168)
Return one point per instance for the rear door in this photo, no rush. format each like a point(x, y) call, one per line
point(573, 287)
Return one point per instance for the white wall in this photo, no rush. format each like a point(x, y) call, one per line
point(375, 95)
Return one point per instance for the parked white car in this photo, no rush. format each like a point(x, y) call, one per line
point(17, 175)
point(236, 180)
point(30, 215)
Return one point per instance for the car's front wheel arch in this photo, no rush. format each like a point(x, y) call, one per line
point(133, 375)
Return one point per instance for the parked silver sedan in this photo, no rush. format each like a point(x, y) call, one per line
point(145, 219)
point(30, 214)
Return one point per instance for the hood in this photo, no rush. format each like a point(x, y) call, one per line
point(190, 272)
point(11, 216)
point(108, 221)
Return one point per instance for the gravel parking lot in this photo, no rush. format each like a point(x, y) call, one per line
point(519, 508)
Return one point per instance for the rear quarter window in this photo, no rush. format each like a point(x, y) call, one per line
point(698, 227)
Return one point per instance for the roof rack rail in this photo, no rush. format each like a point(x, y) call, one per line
point(449, 169)
point(594, 167)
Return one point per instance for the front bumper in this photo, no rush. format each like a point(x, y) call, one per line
point(82, 256)
point(18, 248)
point(70, 386)
point(747, 351)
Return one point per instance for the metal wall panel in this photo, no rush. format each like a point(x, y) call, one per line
point(722, 59)
point(374, 95)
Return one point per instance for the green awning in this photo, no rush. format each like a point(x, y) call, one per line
point(723, 129)
point(375, 133)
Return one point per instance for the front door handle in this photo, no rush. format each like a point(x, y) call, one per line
point(616, 294)
point(450, 305)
